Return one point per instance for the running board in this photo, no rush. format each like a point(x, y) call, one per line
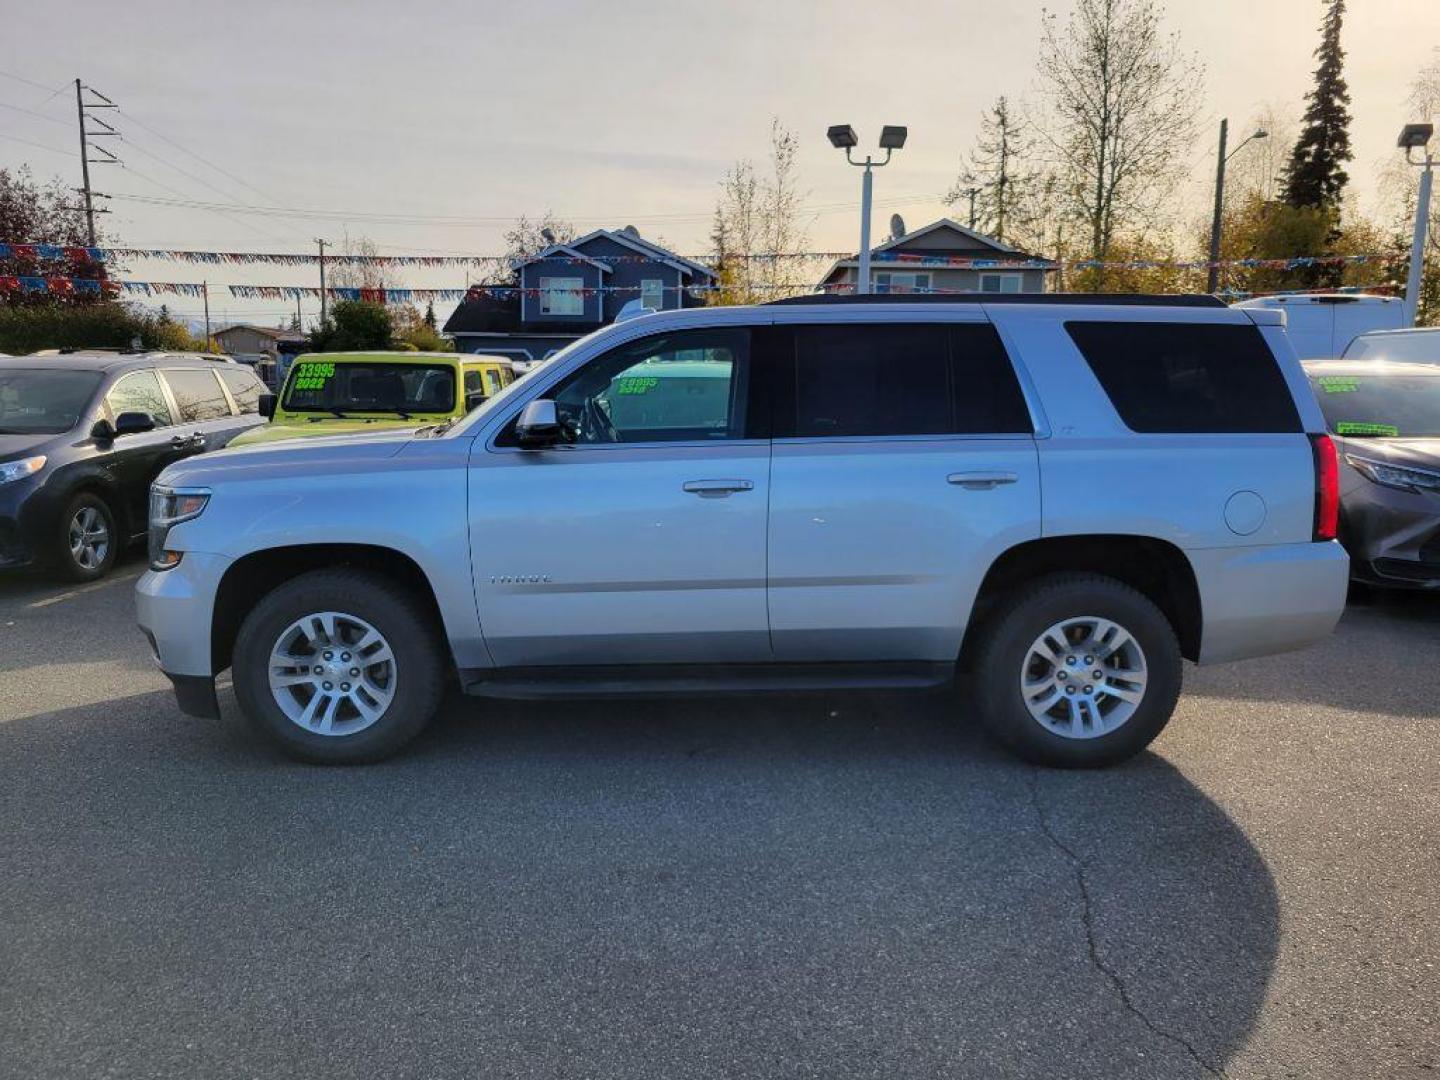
point(664, 680)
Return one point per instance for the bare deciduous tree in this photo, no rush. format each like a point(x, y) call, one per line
point(758, 216)
point(1122, 99)
point(1000, 174)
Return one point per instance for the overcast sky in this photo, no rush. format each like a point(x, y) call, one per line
point(608, 114)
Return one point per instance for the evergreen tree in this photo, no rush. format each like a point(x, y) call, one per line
point(1316, 176)
point(430, 314)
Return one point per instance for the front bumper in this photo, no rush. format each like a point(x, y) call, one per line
point(1392, 535)
point(23, 518)
point(1256, 601)
point(175, 608)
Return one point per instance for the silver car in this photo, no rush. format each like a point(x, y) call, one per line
point(1057, 498)
point(1385, 417)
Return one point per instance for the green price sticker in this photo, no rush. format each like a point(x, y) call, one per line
point(1339, 384)
point(1355, 427)
point(313, 374)
point(636, 384)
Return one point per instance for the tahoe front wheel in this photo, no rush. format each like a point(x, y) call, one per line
point(1080, 671)
point(339, 667)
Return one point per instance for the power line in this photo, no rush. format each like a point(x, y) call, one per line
point(38, 146)
point(32, 112)
point(457, 221)
point(203, 160)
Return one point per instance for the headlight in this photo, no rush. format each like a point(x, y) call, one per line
point(18, 470)
point(168, 507)
point(1395, 476)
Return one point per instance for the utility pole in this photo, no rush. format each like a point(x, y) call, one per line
point(299, 319)
point(1417, 137)
point(322, 281)
point(205, 288)
point(1212, 277)
point(81, 110)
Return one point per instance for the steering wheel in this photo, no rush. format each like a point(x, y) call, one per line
point(596, 426)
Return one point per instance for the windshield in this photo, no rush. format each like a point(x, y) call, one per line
point(42, 401)
point(1381, 406)
point(1423, 347)
point(330, 386)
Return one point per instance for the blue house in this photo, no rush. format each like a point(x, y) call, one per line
point(568, 290)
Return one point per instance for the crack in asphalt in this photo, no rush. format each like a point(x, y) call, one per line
point(1077, 864)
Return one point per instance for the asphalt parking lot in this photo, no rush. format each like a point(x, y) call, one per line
point(796, 887)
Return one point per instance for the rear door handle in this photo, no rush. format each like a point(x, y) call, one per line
point(979, 481)
point(717, 488)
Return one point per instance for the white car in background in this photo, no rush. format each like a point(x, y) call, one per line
point(1415, 346)
point(1321, 325)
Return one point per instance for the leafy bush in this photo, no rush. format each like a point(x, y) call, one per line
point(32, 327)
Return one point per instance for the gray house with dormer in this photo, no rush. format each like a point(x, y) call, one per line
point(943, 256)
point(568, 290)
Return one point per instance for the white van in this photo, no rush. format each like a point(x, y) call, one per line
point(1321, 325)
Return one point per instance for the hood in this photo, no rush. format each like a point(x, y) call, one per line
point(1422, 453)
point(18, 446)
point(336, 454)
point(310, 429)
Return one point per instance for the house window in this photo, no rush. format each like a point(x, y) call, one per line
point(1001, 283)
point(562, 296)
point(887, 281)
point(652, 293)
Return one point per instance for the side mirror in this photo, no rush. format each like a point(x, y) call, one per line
point(103, 431)
point(133, 423)
point(539, 425)
point(266, 405)
point(474, 399)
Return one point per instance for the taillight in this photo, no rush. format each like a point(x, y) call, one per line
point(1327, 488)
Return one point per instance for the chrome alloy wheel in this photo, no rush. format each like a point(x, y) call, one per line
point(332, 673)
point(1083, 678)
point(89, 538)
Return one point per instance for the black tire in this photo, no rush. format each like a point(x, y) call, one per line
point(62, 561)
point(419, 664)
point(1005, 644)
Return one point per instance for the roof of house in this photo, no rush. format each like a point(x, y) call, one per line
point(1002, 250)
point(568, 250)
point(624, 239)
point(264, 331)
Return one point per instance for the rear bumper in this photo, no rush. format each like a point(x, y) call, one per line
point(1261, 600)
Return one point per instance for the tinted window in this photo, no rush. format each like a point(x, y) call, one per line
point(901, 379)
point(672, 387)
point(244, 387)
point(197, 395)
point(1392, 405)
point(40, 402)
point(139, 392)
point(1187, 377)
point(327, 385)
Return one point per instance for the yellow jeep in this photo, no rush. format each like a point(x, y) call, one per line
point(342, 393)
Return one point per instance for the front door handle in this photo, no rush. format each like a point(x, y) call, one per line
point(980, 481)
point(712, 489)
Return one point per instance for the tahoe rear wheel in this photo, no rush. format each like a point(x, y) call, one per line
point(1081, 670)
point(339, 667)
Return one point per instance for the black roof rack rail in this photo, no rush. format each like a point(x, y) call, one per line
point(1191, 300)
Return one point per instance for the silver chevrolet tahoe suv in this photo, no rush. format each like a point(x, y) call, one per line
point(1056, 497)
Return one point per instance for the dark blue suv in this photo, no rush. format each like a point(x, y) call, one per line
point(83, 434)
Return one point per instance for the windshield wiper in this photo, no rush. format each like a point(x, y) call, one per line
point(337, 412)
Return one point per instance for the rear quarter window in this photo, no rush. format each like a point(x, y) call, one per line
point(1188, 378)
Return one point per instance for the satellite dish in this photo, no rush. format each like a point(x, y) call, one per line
point(897, 226)
point(548, 235)
point(631, 230)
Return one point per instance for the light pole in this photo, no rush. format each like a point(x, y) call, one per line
point(1417, 137)
point(1212, 279)
point(842, 137)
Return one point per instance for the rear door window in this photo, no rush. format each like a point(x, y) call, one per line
point(244, 387)
point(1188, 378)
point(139, 392)
point(197, 395)
point(883, 379)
